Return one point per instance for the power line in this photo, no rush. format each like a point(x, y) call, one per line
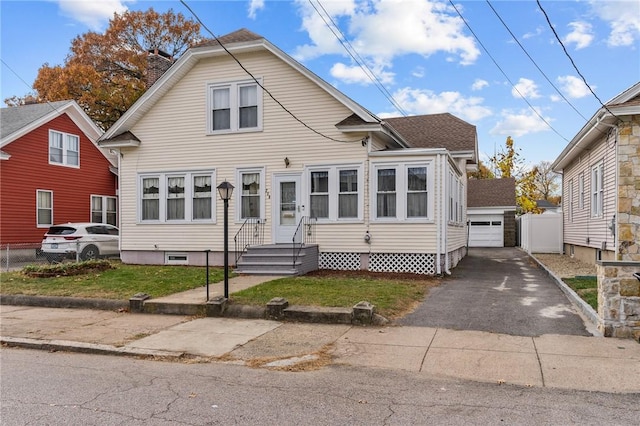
point(534, 62)
point(504, 74)
point(571, 59)
point(361, 62)
point(258, 82)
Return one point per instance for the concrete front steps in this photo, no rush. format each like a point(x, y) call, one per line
point(277, 259)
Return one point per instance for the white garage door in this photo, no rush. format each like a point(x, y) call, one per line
point(486, 231)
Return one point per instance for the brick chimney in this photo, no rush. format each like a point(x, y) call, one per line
point(158, 62)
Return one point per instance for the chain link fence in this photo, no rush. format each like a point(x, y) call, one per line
point(16, 256)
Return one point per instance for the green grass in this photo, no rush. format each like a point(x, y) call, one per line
point(392, 297)
point(120, 283)
point(586, 288)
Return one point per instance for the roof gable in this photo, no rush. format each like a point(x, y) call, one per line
point(236, 42)
point(491, 192)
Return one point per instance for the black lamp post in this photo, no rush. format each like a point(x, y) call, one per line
point(225, 189)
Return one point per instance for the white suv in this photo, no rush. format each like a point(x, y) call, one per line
point(90, 240)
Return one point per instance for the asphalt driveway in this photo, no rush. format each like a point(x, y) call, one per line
point(500, 290)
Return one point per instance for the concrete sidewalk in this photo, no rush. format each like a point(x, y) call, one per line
point(556, 361)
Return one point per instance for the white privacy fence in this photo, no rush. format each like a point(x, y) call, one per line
point(541, 233)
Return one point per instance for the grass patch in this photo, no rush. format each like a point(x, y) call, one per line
point(586, 288)
point(120, 282)
point(392, 294)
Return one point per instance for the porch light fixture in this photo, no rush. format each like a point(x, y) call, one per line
point(225, 189)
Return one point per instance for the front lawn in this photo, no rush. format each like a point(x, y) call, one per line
point(392, 294)
point(120, 282)
point(586, 287)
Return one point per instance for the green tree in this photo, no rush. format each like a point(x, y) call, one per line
point(106, 72)
point(509, 163)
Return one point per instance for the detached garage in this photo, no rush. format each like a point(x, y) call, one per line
point(491, 208)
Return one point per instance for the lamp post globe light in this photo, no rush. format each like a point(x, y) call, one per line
point(225, 189)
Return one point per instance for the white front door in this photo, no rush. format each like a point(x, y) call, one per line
point(287, 206)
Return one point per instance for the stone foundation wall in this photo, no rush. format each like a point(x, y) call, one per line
point(629, 190)
point(619, 299)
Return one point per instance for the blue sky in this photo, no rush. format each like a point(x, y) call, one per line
point(421, 51)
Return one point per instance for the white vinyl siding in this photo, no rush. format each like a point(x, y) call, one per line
point(44, 208)
point(64, 149)
point(234, 107)
point(176, 197)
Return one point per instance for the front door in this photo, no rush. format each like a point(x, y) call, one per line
point(287, 207)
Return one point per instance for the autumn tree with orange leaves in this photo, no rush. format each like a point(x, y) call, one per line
point(105, 73)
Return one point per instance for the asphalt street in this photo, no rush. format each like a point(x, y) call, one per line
point(499, 290)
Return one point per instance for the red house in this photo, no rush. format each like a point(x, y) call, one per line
point(52, 171)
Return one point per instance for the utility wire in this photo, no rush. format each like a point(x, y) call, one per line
point(534, 62)
point(260, 84)
point(571, 59)
point(504, 74)
point(361, 62)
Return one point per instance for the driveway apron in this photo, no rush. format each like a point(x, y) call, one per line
point(500, 290)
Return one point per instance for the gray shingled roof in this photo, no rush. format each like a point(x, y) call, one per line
point(491, 192)
point(436, 131)
point(13, 119)
point(238, 36)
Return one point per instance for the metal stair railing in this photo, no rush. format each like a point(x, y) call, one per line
point(251, 233)
point(305, 234)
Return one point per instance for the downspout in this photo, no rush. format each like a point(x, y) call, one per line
point(446, 216)
point(439, 219)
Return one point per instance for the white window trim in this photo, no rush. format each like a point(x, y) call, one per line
point(188, 196)
point(234, 105)
point(581, 191)
point(401, 191)
point(570, 213)
point(104, 207)
point(237, 192)
point(64, 149)
point(44, 225)
point(334, 190)
point(597, 190)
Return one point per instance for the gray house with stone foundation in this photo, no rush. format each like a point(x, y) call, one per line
point(600, 170)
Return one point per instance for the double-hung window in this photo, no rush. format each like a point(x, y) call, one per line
point(402, 192)
point(320, 194)
point(570, 200)
point(103, 209)
point(177, 197)
point(581, 191)
point(251, 194)
point(348, 194)
point(44, 203)
point(234, 107)
point(64, 149)
point(597, 190)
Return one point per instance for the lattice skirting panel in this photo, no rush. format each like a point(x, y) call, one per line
point(339, 261)
point(417, 263)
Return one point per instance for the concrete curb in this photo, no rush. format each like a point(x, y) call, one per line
point(87, 348)
point(63, 302)
point(584, 307)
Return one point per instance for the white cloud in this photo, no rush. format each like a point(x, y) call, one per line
point(418, 72)
point(520, 123)
point(419, 101)
point(479, 84)
point(525, 88)
point(581, 34)
point(624, 19)
point(355, 74)
point(254, 7)
point(94, 14)
point(383, 30)
point(536, 33)
point(573, 87)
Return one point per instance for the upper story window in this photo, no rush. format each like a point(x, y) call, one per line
point(234, 107)
point(404, 192)
point(177, 197)
point(597, 190)
point(64, 149)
